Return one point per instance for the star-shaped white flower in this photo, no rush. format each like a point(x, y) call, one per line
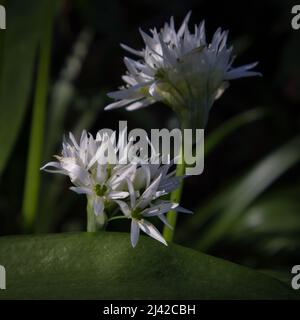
point(135, 187)
point(146, 205)
point(180, 69)
point(91, 176)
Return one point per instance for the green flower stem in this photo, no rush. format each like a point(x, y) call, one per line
point(94, 223)
point(175, 197)
point(168, 233)
point(32, 179)
point(91, 217)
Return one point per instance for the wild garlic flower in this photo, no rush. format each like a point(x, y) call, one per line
point(135, 188)
point(182, 70)
point(87, 170)
point(144, 206)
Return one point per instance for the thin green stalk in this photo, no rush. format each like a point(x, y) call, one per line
point(32, 182)
point(91, 217)
point(175, 197)
point(168, 232)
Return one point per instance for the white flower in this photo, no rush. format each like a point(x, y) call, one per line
point(147, 205)
point(135, 188)
point(84, 165)
point(181, 69)
point(146, 173)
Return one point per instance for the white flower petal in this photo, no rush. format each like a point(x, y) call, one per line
point(138, 105)
point(119, 104)
point(129, 93)
point(136, 52)
point(148, 194)
point(149, 229)
point(163, 218)
point(131, 193)
point(134, 233)
point(124, 208)
point(170, 184)
point(184, 25)
point(77, 174)
point(114, 195)
point(82, 190)
point(242, 71)
point(119, 177)
point(72, 138)
point(159, 209)
point(183, 210)
point(56, 165)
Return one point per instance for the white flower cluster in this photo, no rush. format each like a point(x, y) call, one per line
point(180, 69)
point(136, 189)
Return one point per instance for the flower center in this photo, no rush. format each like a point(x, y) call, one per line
point(137, 214)
point(100, 190)
point(160, 74)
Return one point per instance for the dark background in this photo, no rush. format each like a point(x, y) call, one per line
point(261, 231)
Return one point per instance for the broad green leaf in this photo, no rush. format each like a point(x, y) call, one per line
point(284, 277)
point(17, 53)
point(105, 266)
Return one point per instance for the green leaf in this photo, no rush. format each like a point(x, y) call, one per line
point(230, 126)
point(211, 142)
point(235, 192)
point(271, 225)
point(249, 189)
point(105, 266)
point(38, 120)
point(229, 204)
point(215, 138)
point(273, 215)
point(17, 53)
point(284, 277)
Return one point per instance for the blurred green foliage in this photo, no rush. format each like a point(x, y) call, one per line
point(246, 202)
point(18, 45)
